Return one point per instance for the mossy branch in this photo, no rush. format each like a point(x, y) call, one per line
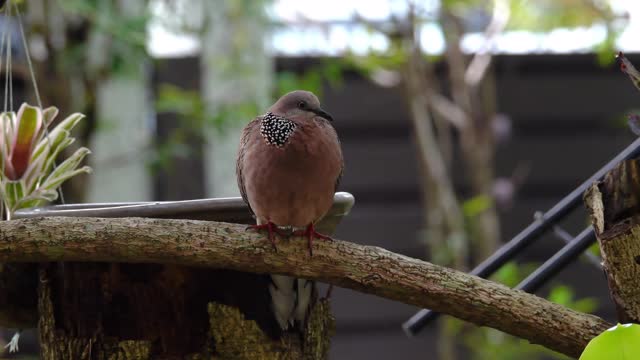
point(364, 268)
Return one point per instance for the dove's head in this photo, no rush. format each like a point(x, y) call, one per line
point(301, 105)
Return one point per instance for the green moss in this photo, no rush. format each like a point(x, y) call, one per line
point(320, 329)
point(238, 338)
point(230, 336)
point(132, 350)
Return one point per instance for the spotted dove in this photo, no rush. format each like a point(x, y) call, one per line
point(288, 167)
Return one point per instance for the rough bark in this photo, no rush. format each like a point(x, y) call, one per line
point(363, 268)
point(615, 213)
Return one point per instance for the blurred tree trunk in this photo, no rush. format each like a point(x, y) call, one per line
point(237, 74)
point(456, 239)
point(476, 138)
point(444, 223)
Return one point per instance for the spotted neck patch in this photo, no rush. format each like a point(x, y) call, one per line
point(276, 129)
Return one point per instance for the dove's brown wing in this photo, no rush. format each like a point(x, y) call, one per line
point(248, 134)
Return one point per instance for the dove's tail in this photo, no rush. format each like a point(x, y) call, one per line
point(290, 300)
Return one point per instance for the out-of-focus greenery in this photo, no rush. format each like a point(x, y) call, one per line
point(127, 37)
point(192, 121)
point(547, 15)
point(537, 16)
point(328, 71)
point(191, 109)
point(490, 344)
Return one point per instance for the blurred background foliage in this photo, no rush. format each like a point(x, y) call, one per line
point(79, 44)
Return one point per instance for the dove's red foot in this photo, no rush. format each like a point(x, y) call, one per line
point(272, 229)
point(310, 232)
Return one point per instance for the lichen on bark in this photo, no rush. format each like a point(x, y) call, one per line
point(614, 206)
point(236, 337)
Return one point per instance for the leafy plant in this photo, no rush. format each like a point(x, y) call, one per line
point(486, 343)
point(621, 342)
point(29, 176)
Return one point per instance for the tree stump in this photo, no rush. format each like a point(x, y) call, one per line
point(614, 206)
point(142, 311)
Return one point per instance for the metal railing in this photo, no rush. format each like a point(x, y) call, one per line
point(540, 226)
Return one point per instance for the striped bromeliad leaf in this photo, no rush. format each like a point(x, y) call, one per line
point(28, 175)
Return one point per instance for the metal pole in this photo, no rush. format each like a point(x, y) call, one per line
point(510, 249)
point(567, 238)
point(558, 261)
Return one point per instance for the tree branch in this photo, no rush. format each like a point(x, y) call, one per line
point(448, 110)
point(364, 268)
point(482, 59)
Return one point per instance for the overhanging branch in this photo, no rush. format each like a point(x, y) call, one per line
point(364, 268)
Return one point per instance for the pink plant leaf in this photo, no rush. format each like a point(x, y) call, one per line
point(29, 122)
point(6, 136)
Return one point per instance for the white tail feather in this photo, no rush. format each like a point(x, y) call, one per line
point(283, 299)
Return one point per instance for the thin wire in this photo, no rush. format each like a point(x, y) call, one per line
point(7, 74)
point(5, 32)
point(6, 67)
point(34, 82)
point(10, 64)
point(26, 50)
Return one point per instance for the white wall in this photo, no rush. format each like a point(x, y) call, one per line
point(118, 159)
point(236, 68)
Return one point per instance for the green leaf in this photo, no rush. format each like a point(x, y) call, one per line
point(34, 171)
point(586, 305)
point(562, 295)
point(55, 182)
point(13, 192)
point(52, 155)
point(37, 198)
point(62, 171)
point(476, 205)
point(621, 342)
point(508, 274)
point(48, 115)
point(63, 130)
point(594, 249)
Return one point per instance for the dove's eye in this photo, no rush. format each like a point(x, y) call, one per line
point(302, 105)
